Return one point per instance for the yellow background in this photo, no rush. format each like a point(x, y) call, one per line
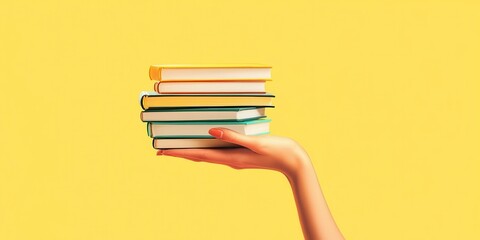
point(384, 95)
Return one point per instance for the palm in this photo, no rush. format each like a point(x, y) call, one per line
point(233, 157)
point(265, 152)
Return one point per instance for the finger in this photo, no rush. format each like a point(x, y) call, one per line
point(231, 136)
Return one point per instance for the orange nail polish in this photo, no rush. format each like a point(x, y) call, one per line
point(216, 132)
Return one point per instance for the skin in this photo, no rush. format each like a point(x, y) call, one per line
point(279, 154)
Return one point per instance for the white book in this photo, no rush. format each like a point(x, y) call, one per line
point(211, 87)
point(203, 114)
point(209, 72)
point(190, 143)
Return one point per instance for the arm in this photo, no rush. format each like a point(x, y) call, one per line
point(279, 154)
point(315, 217)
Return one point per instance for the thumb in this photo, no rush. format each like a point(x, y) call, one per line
point(231, 136)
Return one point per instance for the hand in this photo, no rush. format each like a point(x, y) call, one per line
point(279, 154)
point(265, 152)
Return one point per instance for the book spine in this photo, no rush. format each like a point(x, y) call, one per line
point(155, 73)
point(142, 99)
point(149, 130)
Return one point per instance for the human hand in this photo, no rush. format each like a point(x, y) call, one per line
point(264, 152)
point(279, 154)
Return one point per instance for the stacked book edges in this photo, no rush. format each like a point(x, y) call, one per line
point(188, 101)
point(194, 134)
point(153, 100)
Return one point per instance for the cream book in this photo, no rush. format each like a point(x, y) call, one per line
point(210, 72)
point(190, 143)
point(210, 87)
point(202, 114)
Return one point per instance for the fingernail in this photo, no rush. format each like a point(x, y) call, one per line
point(159, 152)
point(216, 132)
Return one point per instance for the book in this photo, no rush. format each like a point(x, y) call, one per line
point(209, 72)
point(210, 87)
point(159, 143)
point(202, 114)
point(154, 100)
point(199, 129)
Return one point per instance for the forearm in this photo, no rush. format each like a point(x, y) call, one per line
point(278, 154)
point(315, 217)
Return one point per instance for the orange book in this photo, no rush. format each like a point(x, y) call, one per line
point(210, 72)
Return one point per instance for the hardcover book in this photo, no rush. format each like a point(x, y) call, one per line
point(200, 129)
point(190, 143)
point(210, 87)
point(154, 100)
point(202, 114)
point(209, 72)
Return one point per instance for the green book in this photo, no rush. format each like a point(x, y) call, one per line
point(199, 129)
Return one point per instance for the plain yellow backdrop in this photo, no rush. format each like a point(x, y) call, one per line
point(384, 95)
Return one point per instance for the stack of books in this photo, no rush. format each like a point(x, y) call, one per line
point(189, 100)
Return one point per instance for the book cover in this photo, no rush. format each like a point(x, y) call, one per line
point(253, 86)
point(199, 129)
point(213, 72)
point(154, 100)
point(168, 143)
point(202, 114)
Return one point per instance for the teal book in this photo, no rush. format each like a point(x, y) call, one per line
point(203, 114)
point(199, 129)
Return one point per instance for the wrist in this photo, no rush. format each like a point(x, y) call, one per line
point(301, 167)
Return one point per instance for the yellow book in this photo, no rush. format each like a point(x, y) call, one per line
point(210, 72)
point(153, 100)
